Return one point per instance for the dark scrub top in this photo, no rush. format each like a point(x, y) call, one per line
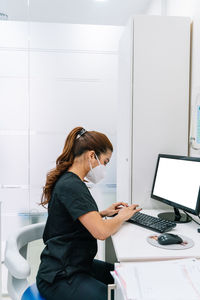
point(70, 248)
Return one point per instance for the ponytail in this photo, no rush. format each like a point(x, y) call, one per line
point(63, 162)
point(78, 141)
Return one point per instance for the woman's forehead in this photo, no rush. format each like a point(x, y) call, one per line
point(107, 155)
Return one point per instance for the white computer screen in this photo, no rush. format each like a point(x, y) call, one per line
point(178, 181)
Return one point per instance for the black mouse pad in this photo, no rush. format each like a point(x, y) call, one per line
point(187, 243)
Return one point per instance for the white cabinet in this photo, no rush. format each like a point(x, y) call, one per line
point(154, 68)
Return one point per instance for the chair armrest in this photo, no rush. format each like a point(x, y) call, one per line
point(15, 261)
point(17, 265)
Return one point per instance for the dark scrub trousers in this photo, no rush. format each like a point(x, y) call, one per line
point(68, 270)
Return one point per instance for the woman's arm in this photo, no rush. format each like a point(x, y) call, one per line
point(101, 229)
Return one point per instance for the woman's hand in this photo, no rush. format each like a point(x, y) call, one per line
point(113, 209)
point(127, 212)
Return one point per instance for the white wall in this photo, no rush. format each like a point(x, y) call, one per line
point(53, 77)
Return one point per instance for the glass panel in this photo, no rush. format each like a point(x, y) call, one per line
point(15, 206)
point(73, 66)
point(13, 103)
point(45, 148)
point(71, 104)
point(73, 82)
point(14, 176)
point(13, 63)
point(14, 35)
point(14, 159)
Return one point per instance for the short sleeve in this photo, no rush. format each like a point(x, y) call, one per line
point(77, 199)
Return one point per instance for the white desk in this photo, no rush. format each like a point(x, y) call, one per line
point(130, 242)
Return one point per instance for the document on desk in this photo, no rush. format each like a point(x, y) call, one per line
point(164, 280)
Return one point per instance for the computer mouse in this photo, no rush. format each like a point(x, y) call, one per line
point(169, 239)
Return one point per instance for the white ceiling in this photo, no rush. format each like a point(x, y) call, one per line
point(108, 12)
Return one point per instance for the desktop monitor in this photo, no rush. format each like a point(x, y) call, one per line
point(177, 183)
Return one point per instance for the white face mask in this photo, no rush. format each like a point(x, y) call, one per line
point(97, 173)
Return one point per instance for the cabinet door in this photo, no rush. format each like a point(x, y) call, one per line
point(154, 59)
point(161, 61)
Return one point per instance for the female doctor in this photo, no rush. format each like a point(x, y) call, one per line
point(68, 270)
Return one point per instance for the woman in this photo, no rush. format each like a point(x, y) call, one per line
point(68, 269)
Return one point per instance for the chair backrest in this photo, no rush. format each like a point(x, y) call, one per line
point(16, 258)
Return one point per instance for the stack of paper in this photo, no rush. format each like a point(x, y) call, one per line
point(164, 280)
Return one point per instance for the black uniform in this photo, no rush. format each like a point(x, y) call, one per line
point(68, 269)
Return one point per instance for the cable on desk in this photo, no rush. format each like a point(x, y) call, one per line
point(192, 217)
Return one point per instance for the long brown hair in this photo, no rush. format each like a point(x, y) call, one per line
point(77, 142)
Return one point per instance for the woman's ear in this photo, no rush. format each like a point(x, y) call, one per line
point(91, 154)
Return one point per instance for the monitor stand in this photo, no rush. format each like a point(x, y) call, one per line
point(175, 216)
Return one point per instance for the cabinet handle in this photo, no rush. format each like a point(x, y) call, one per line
point(110, 288)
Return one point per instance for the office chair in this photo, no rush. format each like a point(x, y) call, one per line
point(17, 264)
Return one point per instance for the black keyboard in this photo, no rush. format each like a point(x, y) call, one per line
point(152, 223)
